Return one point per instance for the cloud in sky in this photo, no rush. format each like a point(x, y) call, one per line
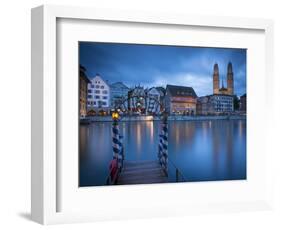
point(151, 65)
point(201, 83)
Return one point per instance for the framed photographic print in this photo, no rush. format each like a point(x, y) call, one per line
point(148, 113)
point(178, 117)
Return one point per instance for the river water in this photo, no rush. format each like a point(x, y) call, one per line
point(201, 150)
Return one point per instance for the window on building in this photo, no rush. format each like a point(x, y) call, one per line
point(102, 87)
point(89, 96)
point(89, 91)
point(97, 97)
point(95, 103)
point(104, 91)
point(97, 86)
point(97, 91)
point(104, 97)
point(103, 103)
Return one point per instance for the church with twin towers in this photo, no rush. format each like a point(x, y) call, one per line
point(220, 88)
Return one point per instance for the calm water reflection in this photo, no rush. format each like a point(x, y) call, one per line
point(202, 150)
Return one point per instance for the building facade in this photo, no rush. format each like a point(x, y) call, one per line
point(136, 100)
point(153, 105)
point(162, 92)
point(118, 95)
point(98, 96)
point(180, 100)
point(83, 91)
point(203, 106)
point(215, 104)
point(222, 99)
point(216, 79)
point(220, 103)
point(243, 103)
point(230, 80)
point(229, 90)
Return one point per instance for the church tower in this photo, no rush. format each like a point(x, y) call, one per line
point(216, 79)
point(230, 87)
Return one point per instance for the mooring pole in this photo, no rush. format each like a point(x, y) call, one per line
point(163, 144)
point(117, 144)
point(115, 135)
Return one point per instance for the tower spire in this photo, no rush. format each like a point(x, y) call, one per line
point(230, 85)
point(216, 79)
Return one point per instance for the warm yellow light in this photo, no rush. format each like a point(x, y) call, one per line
point(115, 115)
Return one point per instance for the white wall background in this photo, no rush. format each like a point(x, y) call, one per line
point(15, 113)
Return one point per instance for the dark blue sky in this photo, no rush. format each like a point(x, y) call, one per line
point(153, 65)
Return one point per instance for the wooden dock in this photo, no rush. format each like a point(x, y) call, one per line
point(142, 172)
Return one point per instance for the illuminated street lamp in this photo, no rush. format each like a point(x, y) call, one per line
point(115, 116)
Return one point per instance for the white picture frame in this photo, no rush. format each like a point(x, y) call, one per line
point(45, 90)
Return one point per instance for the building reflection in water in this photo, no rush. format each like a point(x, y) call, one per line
point(229, 149)
point(151, 131)
point(138, 133)
point(177, 133)
point(205, 128)
point(203, 150)
point(217, 143)
point(83, 141)
point(241, 127)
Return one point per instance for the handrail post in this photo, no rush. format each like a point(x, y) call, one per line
point(177, 175)
point(117, 145)
point(115, 139)
point(163, 144)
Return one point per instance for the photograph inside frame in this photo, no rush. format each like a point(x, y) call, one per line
point(161, 114)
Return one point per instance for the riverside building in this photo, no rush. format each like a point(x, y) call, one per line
point(118, 95)
point(98, 96)
point(180, 100)
point(83, 91)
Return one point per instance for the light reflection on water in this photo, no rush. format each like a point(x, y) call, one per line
point(202, 150)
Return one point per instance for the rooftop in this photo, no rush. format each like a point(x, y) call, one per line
point(175, 90)
point(82, 72)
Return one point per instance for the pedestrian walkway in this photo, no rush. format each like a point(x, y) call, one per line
point(142, 172)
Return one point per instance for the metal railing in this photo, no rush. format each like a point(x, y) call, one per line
point(175, 174)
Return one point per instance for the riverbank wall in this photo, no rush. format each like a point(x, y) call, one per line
point(170, 118)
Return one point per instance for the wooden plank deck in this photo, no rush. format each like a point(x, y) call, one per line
point(141, 172)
